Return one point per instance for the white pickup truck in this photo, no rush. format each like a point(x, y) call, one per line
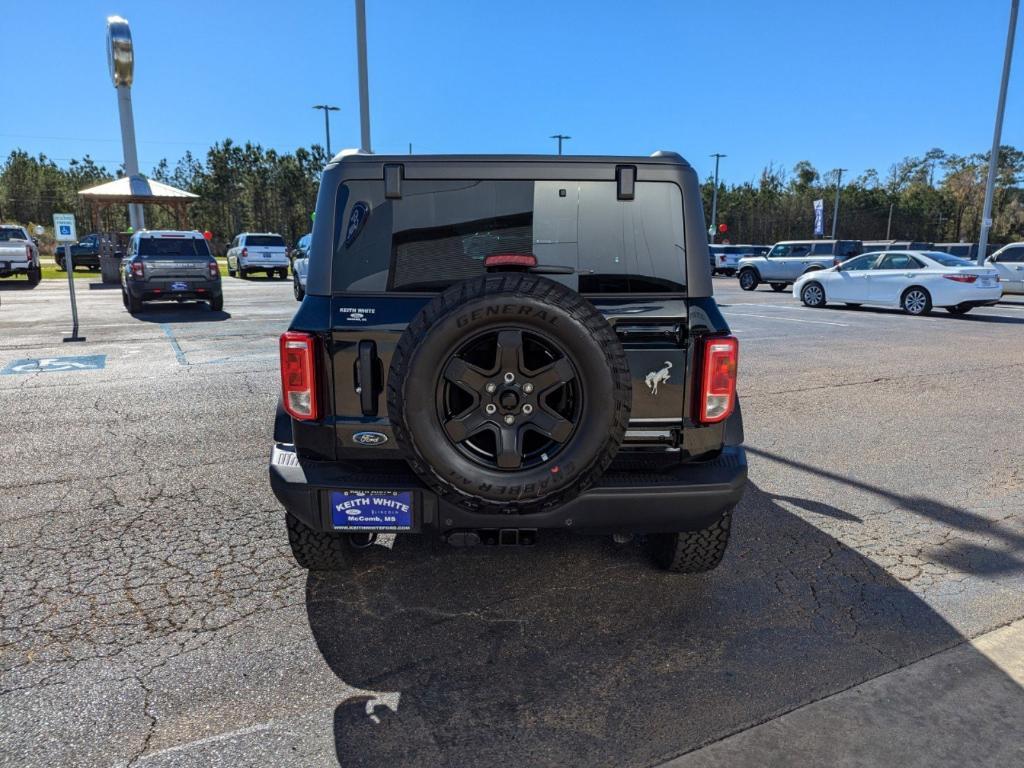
point(19, 254)
point(789, 259)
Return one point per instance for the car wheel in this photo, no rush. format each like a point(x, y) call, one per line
point(730, 272)
point(60, 264)
point(217, 303)
point(134, 305)
point(959, 309)
point(318, 550)
point(748, 279)
point(231, 272)
point(297, 290)
point(531, 387)
point(692, 551)
point(284, 273)
point(241, 272)
point(813, 295)
point(916, 301)
point(778, 287)
point(35, 274)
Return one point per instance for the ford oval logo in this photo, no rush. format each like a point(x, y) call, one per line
point(370, 438)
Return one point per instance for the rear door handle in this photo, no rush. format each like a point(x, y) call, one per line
point(368, 377)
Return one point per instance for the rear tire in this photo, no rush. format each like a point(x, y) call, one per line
point(35, 274)
point(813, 295)
point(316, 550)
point(959, 309)
point(217, 304)
point(692, 551)
point(231, 272)
point(134, 305)
point(297, 290)
point(916, 301)
point(241, 272)
point(778, 287)
point(748, 280)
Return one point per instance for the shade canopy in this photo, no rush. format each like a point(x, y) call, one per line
point(136, 189)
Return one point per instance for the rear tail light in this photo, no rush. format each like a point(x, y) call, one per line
point(722, 258)
point(718, 379)
point(961, 278)
point(138, 270)
point(214, 270)
point(245, 252)
point(298, 375)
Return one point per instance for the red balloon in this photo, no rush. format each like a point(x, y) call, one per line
point(208, 235)
point(723, 227)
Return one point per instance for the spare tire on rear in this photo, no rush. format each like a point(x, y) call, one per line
point(509, 393)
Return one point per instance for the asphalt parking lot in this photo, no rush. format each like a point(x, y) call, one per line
point(152, 614)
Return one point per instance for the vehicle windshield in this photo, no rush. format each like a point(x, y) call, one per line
point(173, 248)
point(11, 233)
point(264, 240)
point(947, 260)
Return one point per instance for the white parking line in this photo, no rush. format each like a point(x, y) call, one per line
point(785, 319)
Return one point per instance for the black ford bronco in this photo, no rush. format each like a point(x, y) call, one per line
point(493, 346)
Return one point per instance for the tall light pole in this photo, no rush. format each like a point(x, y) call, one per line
point(986, 215)
point(714, 199)
point(561, 137)
point(121, 60)
point(364, 85)
point(835, 209)
point(327, 108)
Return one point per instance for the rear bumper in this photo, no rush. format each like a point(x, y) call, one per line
point(687, 497)
point(160, 290)
point(15, 267)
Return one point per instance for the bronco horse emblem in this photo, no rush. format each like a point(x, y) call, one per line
point(654, 378)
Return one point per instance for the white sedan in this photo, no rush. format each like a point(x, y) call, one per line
point(915, 281)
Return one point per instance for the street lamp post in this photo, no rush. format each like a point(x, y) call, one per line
point(835, 209)
point(714, 199)
point(993, 159)
point(364, 83)
point(327, 108)
point(561, 137)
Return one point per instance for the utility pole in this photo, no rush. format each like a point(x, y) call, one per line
point(835, 210)
point(327, 108)
point(410, 147)
point(364, 85)
point(714, 199)
point(888, 227)
point(986, 215)
point(560, 137)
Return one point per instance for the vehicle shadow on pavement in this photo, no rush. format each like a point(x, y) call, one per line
point(938, 313)
point(15, 285)
point(579, 653)
point(190, 312)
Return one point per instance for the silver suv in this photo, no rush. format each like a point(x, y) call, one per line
point(789, 259)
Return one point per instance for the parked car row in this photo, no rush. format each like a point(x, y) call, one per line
point(788, 260)
point(19, 253)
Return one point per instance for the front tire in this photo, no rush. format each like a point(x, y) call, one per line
point(813, 295)
point(317, 550)
point(748, 280)
point(778, 287)
point(916, 301)
point(692, 551)
point(297, 290)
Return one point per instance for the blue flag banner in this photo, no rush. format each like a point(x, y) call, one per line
point(819, 218)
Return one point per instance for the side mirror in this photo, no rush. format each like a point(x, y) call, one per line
point(839, 267)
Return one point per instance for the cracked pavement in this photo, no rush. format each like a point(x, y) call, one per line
point(151, 615)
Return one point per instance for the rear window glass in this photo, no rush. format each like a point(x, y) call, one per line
point(440, 232)
point(947, 260)
point(173, 247)
point(11, 233)
point(264, 240)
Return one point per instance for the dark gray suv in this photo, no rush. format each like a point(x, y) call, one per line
point(164, 265)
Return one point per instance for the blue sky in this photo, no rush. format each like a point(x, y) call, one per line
point(852, 84)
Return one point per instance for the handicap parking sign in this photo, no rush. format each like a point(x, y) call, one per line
point(55, 364)
point(65, 230)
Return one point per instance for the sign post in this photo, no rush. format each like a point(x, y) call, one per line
point(64, 232)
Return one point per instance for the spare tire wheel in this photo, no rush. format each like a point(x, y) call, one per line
point(509, 393)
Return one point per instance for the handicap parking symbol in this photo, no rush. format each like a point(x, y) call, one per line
point(55, 364)
point(65, 230)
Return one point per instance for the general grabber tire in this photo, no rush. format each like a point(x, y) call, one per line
point(509, 393)
point(316, 550)
point(692, 551)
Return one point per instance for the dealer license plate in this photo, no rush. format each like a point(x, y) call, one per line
point(372, 510)
point(179, 286)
